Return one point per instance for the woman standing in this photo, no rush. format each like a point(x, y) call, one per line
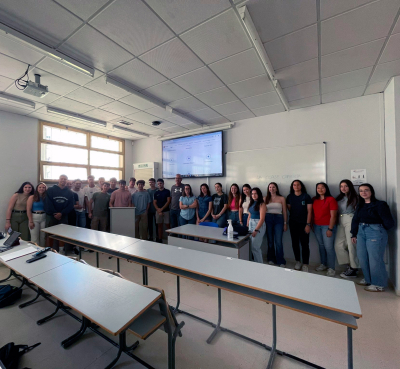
point(233, 202)
point(16, 217)
point(220, 206)
point(204, 208)
point(256, 223)
point(188, 205)
point(299, 204)
point(369, 226)
point(37, 215)
point(276, 222)
point(324, 217)
point(346, 251)
point(244, 204)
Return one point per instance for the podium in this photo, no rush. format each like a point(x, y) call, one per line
point(122, 221)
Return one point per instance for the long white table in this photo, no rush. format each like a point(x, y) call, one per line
point(238, 248)
point(326, 298)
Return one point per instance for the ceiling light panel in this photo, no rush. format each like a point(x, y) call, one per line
point(130, 131)
point(14, 99)
point(75, 116)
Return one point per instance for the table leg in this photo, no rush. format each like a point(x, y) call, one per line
point(80, 253)
point(145, 276)
point(217, 327)
point(122, 347)
point(45, 319)
point(273, 351)
point(97, 260)
point(72, 339)
point(349, 348)
point(118, 267)
point(25, 304)
point(178, 293)
point(9, 276)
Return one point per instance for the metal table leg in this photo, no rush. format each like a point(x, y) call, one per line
point(118, 267)
point(273, 351)
point(97, 260)
point(145, 276)
point(75, 337)
point(122, 347)
point(218, 326)
point(45, 319)
point(349, 348)
point(39, 293)
point(9, 276)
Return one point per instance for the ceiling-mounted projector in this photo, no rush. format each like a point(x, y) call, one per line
point(35, 88)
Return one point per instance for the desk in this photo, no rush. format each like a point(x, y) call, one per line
point(236, 248)
point(122, 221)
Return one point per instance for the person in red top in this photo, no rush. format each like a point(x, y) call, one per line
point(324, 218)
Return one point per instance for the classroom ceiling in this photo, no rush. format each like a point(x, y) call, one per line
point(196, 56)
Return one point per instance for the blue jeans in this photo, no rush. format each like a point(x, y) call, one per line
point(256, 241)
point(245, 216)
point(80, 219)
point(274, 223)
point(234, 216)
point(326, 245)
point(183, 221)
point(371, 243)
point(220, 221)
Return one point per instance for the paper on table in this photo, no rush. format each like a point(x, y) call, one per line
point(18, 254)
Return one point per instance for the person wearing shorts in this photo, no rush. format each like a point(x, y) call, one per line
point(162, 199)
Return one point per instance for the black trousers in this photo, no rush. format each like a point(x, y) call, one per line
point(151, 220)
point(88, 222)
point(299, 236)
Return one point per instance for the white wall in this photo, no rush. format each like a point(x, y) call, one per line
point(353, 130)
point(18, 156)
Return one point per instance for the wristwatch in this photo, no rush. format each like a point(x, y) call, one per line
point(309, 224)
point(330, 229)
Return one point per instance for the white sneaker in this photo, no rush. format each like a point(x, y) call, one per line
point(373, 288)
point(363, 282)
point(304, 268)
point(297, 266)
point(330, 273)
point(271, 263)
point(283, 265)
point(321, 268)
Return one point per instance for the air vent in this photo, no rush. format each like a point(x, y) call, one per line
point(125, 123)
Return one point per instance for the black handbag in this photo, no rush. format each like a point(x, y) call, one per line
point(11, 353)
point(9, 294)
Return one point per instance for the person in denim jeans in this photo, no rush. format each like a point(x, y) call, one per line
point(188, 206)
point(369, 228)
point(204, 208)
point(324, 215)
point(256, 223)
point(244, 204)
point(233, 203)
point(220, 206)
point(276, 222)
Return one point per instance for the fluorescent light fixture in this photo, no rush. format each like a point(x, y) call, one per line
point(69, 114)
point(197, 131)
point(48, 51)
point(152, 100)
point(130, 131)
point(18, 100)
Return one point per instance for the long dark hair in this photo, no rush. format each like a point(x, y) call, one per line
point(37, 196)
point(237, 196)
point(208, 190)
point(361, 201)
point(351, 197)
point(268, 197)
point(303, 187)
point(243, 195)
point(21, 189)
point(190, 193)
point(259, 199)
point(327, 191)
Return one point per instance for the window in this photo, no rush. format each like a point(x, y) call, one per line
point(77, 153)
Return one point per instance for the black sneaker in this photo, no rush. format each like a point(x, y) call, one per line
point(349, 273)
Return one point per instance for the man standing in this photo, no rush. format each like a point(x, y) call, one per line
point(101, 181)
point(132, 189)
point(99, 206)
point(80, 208)
point(113, 185)
point(59, 201)
point(72, 213)
point(122, 197)
point(89, 190)
point(176, 192)
point(141, 201)
point(152, 210)
point(162, 199)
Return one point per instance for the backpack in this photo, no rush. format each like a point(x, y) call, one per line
point(9, 294)
point(11, 353)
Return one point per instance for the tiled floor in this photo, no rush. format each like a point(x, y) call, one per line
point(376, 342)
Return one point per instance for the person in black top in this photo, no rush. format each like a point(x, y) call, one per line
point(220, 206)
point(299, 204)
point(369, 228)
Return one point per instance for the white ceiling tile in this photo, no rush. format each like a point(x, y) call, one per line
point(83, 8)
point(100, 85)
point(160, 112)
point(346, 80)
point(343, 94)
point(204, 114)
point(102, 115)
point(172, 59)
point(392, 49)
point(330, 8)
point(293, 48)
point(198, 81)
point(305, 103)
point(166, 92)
point(275, 18)
point(181, 15)
point(50, 97)
point(55, 84)
point(132, 25)
point(238, 67)
point(92, 48)
point(89, 97)
point(252, 86)
point(44, 20)
point(119, 108)
point(375, 88)
point(144, 117)
point(218, 96)
point(385, 71)
point(138, 74)
point(18, 50)
point(358, 26)
point(137, 102)
point(5, 82)
point(71, 106)
point(230, 107)
point(298, 73)
point(217, 120)
point(240, 116)
point(302, 91)
point(255, 102)
point(11, 67)
point(267, 110)
point(357, 57)
point(188, 104)
point(217, 38)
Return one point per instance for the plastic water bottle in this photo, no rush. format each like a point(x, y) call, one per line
point(230, 230)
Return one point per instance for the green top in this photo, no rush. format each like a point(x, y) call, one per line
point(101, 204)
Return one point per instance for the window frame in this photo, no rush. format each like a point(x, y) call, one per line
point(88, 147)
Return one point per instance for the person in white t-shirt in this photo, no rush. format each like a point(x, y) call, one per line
point(80, 208)
point(131, 188)
point(88, 191)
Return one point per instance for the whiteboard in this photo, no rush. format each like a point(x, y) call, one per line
point(278, 164)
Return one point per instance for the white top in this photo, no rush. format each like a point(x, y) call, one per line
point(274, 208)
point(245, 205)
point(81, 196)
point(132, 190)
point(89, 191)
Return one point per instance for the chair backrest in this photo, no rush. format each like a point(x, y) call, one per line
point(209, 224)
point(109, 271)
point(71, 257)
